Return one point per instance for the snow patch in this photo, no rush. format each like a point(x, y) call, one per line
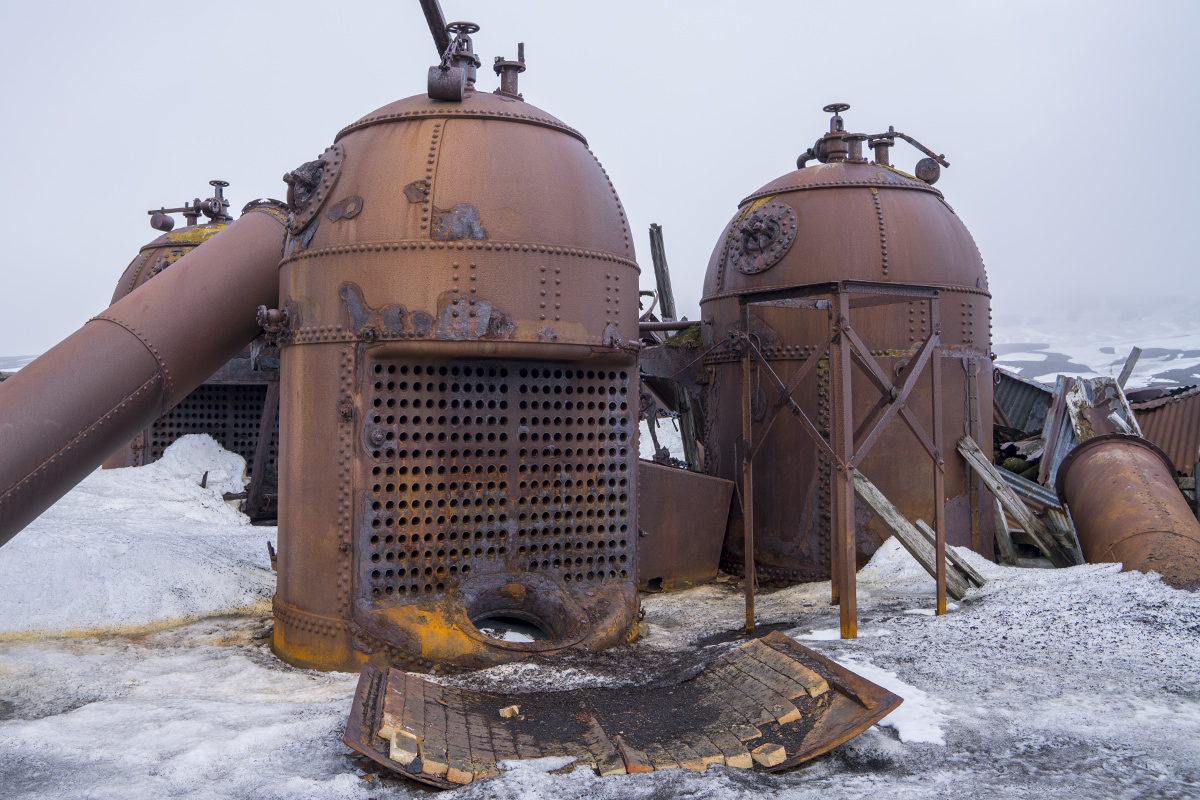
point(918, 718)
point(139, 546)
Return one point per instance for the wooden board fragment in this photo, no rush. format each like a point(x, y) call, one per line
point(433, 745)
point(604, 754)
point(736, 755)
point(527, 747)
point(1004, 542)
point(907, 535)
point(503, 743)
point(769, 754)
point(479, 737)
point(458, 747)
point(959, 563)
point(404, 748)
point(741, 695)
point(745, 733)
point(660, 758)
point(792, 670)
point(688, 758)
point(709, 753)
point(394, 693)
point(1013, 505)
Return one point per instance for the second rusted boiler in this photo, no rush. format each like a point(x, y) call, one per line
point(855, 256)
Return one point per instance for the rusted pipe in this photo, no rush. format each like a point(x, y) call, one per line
point(1127, 508)
point(67, 411)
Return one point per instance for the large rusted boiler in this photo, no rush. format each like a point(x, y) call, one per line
point(850, 252)
point(458, 421)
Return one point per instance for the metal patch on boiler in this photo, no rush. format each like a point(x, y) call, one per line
point(762, 238)
point(460, 222)
point(347, 209)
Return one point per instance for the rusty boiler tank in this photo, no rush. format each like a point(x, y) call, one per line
point(458, 291)
point(238, 404)
point(887, 240)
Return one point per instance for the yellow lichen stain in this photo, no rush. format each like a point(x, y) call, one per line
point(436, 632)
point(899, 172)
point(135, 631)
point(196, 235)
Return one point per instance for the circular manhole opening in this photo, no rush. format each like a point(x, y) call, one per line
point(506, 627)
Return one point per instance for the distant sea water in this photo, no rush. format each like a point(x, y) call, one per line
point(14, 363)
point(1093, 340)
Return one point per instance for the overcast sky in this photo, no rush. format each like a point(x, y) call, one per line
point(1069, 125)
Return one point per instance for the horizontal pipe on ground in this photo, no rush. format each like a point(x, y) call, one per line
point(1128, 509)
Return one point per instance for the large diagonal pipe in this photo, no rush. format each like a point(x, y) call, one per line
point(70, 409)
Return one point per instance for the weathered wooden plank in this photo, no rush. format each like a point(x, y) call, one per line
point(413, 720)
point(688, 758)
point(404, 748)
point(736, 755)
point(709, 753)
point(1130, 363)
point(483, 754)
point(605, 756)
point(392, 715)
point(1004, 542)
point(503, 744)
point(966, 571)
point(730, 703)
point(812, 683)
point(458, 747)
point(778, 682)
point(1013, 505)
point(433, 746)
point(744, 695)
point(528, 747)
point(753, 683)
point(660, 758)
point(906, 533)
point(769, 754)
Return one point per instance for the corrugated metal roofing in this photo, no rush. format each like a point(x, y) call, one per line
point(1024, 402)
point(1173, 423)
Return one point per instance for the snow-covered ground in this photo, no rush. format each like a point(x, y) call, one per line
point(133, 663)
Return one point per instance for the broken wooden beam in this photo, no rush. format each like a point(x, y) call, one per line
point(912, 539)
point(954, 559)
point(1013, 505)
point(1004, 542)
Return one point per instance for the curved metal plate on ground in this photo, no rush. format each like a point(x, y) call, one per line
point(769, 705)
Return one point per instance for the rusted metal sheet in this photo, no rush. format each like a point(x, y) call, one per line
point(67, 411)
point(1024, 402)
point(1080, 409)
point(682, 517)
point(769, 705)
point(1173, 424)
point(459, 391)
point(855, 221)
point(1128, 509)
